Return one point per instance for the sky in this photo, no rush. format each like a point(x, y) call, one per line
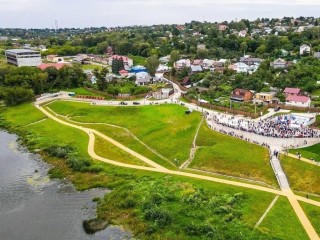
point(112, 13)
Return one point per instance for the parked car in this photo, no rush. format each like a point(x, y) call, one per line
point(136, 103)
point(123, 103)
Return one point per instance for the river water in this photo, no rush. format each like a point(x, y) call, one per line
point(33, 207)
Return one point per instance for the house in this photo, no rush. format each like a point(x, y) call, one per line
point(279, 63)
point(304, 49)
point(298, 101)
point(317, 55)
point(241, 95)
point(265, 96)
point(124, 73)
point(165, 59)
point(250, 61)
point(196, 68)
point(207, 63)
point(182, 63)
point(163, 93)
point(126, 61)
point(55, 58)
point(58, 66)
point(142, 79)
point(243, 33)
point(239, 67)
point(223, 27)
point(292, 92)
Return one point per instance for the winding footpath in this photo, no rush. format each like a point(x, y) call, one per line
point(154, 167)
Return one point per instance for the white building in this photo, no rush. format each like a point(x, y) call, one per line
point(23, 57)
point(304, 49)
point(142, 78)
point(182, 63)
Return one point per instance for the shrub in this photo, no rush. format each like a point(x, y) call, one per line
point(78, 164)
point(159, 216)
point(60, 151)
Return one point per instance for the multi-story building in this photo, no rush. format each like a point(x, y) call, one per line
point(23, 57)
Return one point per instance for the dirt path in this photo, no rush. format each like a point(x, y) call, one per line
point(267, 211)
point(194, 148)
point(293, 199)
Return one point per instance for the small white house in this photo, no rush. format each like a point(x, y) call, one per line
point(304, 49)
point(298, 101)
point(142, 78)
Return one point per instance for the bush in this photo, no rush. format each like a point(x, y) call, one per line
point(78, 164)
point(60, 151)
point(159, 216)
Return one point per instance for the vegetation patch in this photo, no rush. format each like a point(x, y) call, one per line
point(105, 149)
point(233, 157)
point(309, 152)
point(164, 128)
point(276, 222)
point(302, 176)
point(313, 214)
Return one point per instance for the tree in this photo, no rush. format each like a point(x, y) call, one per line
point(117, 65)
point(101, 78)
point(174, 56)
point(202, 53)
point(152, 64)
point(16, 95)
point(243, 47)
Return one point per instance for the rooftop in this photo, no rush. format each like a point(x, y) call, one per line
point(21, 51)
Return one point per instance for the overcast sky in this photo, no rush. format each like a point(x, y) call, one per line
point(111, 13)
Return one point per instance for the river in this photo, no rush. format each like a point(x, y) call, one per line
point(33, 207)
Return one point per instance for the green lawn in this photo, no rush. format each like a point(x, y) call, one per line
point(164, 128)
point(22, 115)
point(81, 91)
point(302, 176)
point(107, 150)
point(313, 213)
point(281, 222)
point(230, 156)
point(309, 152)
point(90, 67)
point(127, 140)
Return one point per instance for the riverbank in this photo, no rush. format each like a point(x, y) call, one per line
point(32, 206)
point(149, 204)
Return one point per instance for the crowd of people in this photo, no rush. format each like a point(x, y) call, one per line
point(267, 127)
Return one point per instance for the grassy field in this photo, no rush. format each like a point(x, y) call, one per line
point(230, 156)
point(302, 176)
point(81, 91)
point(313, 213)
point(126, 139)
point(22, 115)
point(277, 221)
point(231, 208)
point(309, 152)
point(164, 128)
point(107, 150)
point(90, 67)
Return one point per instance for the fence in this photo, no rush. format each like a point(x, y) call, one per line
point(294, 108)
point(225, 109)
point(142, 95)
